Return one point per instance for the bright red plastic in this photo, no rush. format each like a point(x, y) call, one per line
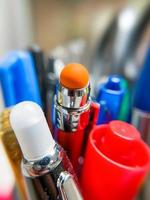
point(116, 163)
point(73, 142)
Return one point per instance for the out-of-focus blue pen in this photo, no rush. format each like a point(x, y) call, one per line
point(110, 95)
point(18, 79)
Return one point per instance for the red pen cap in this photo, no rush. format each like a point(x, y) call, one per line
point(116, 162)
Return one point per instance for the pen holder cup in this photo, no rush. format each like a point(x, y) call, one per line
point(116, 163)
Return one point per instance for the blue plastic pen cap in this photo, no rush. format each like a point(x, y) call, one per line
point(113, 83)
point(111, 92)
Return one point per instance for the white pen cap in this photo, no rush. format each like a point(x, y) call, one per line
point(31, 129)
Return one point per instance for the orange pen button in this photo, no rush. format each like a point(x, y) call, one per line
point(74, 76)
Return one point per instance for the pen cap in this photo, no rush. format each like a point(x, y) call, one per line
point(116, 162)
point(29, 124)
point(142, 88)
point(111, 92)
point(18, 78)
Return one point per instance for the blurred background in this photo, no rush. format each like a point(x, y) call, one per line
point(112, 35)
point(50, 22)
point(108, 36)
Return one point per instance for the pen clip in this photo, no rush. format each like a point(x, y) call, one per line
point(68, 187)
point(94, 112)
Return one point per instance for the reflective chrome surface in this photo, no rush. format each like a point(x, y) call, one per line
point(35, 168)
point(69, 119)
point(48, 177)
point(70, 98)
point(68, 187)
point(69, 106)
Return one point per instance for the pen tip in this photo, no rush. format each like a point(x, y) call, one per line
point(74, 76)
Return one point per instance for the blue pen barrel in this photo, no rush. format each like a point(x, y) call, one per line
point(141, 101)
point(18, 79)
point(6, 83)
point(110, 94)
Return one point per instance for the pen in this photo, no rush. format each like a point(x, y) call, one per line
point(141, 112)
point(73, 110)
point(18, 78)
point(46, 169)
point(39, 64)
point(141, 102)
point(125, 109)
point(12, 150)
point(116, 162)
point(53, 69)
point(110, 97)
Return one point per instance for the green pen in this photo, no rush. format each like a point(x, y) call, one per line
point(126, 102)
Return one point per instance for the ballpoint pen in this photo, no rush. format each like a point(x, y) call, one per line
point(116, 162)
point(73, 108)
point(125, 109)
point(53, 69)
point(13, 152)
point(40, 65)
point(48, 69)
point(141, 112)
point(141, 102)
point(57, 59)
point(110, 95)
point(46, 168)
point(18, 78)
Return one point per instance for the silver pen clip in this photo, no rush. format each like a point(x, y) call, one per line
point(68, 187)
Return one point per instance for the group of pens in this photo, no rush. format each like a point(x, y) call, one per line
point(64, 144)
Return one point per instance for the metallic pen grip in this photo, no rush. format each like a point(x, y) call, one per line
point(69, 105)
point(72, 98)
point(43, 176)
point(69, 119)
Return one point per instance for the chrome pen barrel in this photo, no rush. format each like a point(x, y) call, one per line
point(72, 98)
point(69, 119)
point(43, 177)
point(69, 106)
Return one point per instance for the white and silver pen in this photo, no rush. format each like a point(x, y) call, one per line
point(47, 170)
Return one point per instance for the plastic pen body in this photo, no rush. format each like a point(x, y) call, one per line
point(141, 101)
point(39, 65)
point(72, 141)
point(18, 79)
